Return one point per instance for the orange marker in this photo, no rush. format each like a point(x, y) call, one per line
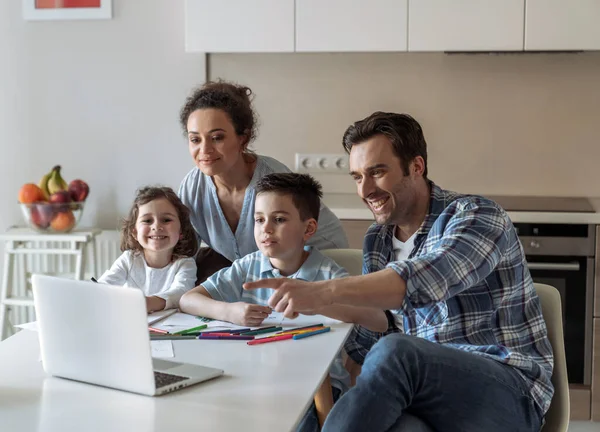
point(155, 330)
point(299, 331)
point(270, 339)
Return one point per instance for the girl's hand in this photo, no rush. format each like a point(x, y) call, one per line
point(154, 304)
point(247, 314)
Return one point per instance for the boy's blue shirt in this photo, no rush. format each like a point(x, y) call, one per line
point(226, 286)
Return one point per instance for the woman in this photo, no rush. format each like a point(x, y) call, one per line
point(220, 123)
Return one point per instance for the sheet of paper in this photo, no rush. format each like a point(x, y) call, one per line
point(31, 326)
point(181, 319)
point(160, 315)
point(277, 318)
point(162, 348)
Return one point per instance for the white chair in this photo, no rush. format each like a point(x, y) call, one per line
point(350, 259)
point(557, 417)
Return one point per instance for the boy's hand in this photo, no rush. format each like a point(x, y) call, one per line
point(154, 304)
point(293, 296)
point(247, 314)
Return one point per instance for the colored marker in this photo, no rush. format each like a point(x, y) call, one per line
point(296, 332)
point(227, 331)
point(309, 334)
point(171, 337)
point(270, 339)
point(236, 331)
point(308, 329)
point(93, 279)
point(155, 330)
point(301, 328)
point(262, 330)
point(190, 330)
point(204, 334)
point(226, 337)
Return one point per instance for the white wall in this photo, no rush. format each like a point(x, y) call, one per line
point(101, 98)
point(517, 124)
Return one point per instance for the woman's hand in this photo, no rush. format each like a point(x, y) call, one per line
point(247, 314)
point(154, 304)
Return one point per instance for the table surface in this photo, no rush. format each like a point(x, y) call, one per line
point(265, 388)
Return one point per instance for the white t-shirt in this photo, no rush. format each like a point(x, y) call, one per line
point(168, 283)
point(403, 249)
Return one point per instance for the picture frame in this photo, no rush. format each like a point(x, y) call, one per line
point(44, 10)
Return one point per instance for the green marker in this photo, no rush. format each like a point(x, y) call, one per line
point(261, 331)
point(190, 330)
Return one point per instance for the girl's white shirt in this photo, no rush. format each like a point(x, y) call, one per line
point(168, 283)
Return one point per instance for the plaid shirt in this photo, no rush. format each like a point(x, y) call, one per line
point(467, 287)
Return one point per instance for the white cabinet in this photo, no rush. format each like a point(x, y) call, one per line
point(465, 25)
point(562, 25)
point(351, 25)
point(239, 25)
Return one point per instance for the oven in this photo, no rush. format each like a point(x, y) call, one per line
point(562, 255)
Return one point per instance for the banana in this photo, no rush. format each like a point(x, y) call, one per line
point(43, 185)
point(56, 183)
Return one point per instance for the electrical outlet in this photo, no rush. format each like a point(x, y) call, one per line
point(322, 163)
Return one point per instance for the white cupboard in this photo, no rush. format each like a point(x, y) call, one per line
point(351, 25)
point(562, 25)
point(239, 25)
point(465, 25)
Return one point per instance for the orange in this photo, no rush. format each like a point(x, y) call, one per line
point(63, 221)
point(30, 193)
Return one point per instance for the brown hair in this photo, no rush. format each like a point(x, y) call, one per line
point(235, 100)
point(305, 191)
point(187, 246)
point(402, 130)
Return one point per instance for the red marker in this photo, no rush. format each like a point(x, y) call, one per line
point(270, 339)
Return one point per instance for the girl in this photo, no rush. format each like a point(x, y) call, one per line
point(158, 244)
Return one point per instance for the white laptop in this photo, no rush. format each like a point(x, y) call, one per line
point(98, 334)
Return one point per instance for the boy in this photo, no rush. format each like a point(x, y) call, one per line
point(286, 210)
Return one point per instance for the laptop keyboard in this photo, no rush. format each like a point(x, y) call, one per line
point(164, 379)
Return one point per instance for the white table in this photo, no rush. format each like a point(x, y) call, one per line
point(266, 388)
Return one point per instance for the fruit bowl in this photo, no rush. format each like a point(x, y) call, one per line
point(52, 217)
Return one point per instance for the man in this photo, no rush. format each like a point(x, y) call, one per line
point(475, 354)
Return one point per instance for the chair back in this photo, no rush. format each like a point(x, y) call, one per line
point(557, 417)
point(350, 259)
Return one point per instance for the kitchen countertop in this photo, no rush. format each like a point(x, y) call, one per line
point(350, 206)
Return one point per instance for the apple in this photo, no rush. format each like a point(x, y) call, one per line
point(61, 197)
point(42, 214)
point(79, 190)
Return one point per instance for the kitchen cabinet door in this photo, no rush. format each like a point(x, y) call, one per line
point(351, 25)
point(562, 25)
point(239, 26)
point(465, 25)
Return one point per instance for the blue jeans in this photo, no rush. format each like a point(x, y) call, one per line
point(441, 388)
point(310, 421)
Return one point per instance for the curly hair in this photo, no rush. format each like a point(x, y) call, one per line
point(187, 246)
point(403, 131)
point(235, 100)
point(305, 191)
